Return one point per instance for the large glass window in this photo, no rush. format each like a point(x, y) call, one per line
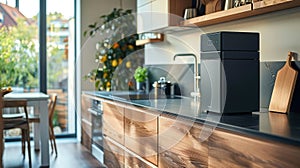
point(19, 54)
point(60, 53)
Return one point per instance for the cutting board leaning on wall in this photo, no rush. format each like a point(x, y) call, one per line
point(284, 87)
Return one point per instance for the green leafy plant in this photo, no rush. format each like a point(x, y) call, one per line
point(18, 58)
point(119, 31)
point(141, 74)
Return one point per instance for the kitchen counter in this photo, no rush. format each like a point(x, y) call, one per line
point(273, 126)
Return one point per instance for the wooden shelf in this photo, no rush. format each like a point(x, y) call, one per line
point(245, 11)
point(150, 40)
point(146, 41)
point(263, 7)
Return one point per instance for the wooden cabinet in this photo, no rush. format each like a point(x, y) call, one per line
point(143, 138)
point(157, 14)
point(113, 121)
point(113, 154)
point(227, 149)
point(134, 161)
point(181, 143)
point(86, 122)
point(144, 16)
point(141, 132)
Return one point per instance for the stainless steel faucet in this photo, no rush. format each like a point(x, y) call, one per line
point(196, 92)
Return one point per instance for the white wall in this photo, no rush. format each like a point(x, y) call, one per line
point(279, 33)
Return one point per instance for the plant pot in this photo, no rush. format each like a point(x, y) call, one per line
point(141, 86)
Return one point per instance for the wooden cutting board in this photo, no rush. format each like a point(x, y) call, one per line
point(284, 87)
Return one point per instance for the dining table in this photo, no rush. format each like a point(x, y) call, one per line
point(39, 102)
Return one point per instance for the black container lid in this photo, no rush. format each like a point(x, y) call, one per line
point(230, 41)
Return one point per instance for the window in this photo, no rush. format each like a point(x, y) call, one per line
point(59, 47)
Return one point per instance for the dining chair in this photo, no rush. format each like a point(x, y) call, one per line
point(51, 109)
point(16, 119)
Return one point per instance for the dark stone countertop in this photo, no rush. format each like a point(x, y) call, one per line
point(280, 127)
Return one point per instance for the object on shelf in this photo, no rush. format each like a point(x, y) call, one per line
point(235, 3)
point(245, 11)
point(238, 3)
point(149, 37)
point(200, 7)
point(284, 87)
point(228, 4)
point(212, 6)
point(190, 13)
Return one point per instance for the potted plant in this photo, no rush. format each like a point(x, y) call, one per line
point(141, 76)
point(118, 30)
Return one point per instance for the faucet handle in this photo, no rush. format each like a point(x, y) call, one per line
point(162, 79)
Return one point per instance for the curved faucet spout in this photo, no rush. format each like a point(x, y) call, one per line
point(186, 54)
point(196, 72)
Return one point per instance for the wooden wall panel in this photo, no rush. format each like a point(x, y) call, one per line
point(141, 133)
point(180, 144)
point(232, 150)
point(113, 121)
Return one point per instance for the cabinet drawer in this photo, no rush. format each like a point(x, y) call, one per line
point(113, 121)
point(86, 103)
point(113, 155)
point(86, 134)
point(181, 143)
point(232, 150)
point(134, 161)
point(141, 133)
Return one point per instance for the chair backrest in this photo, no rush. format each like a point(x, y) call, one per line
point(51, 106)
point(16, 103)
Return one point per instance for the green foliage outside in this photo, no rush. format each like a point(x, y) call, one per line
point(18, 56)
point(56, 69)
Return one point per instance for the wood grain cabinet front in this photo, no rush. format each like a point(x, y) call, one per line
point(113, 121)
point(86, 122)
point(113, 154)
point(228, 149)
point(181, 144)
point(139, 137)
point(134, 161)
point(141, 133)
